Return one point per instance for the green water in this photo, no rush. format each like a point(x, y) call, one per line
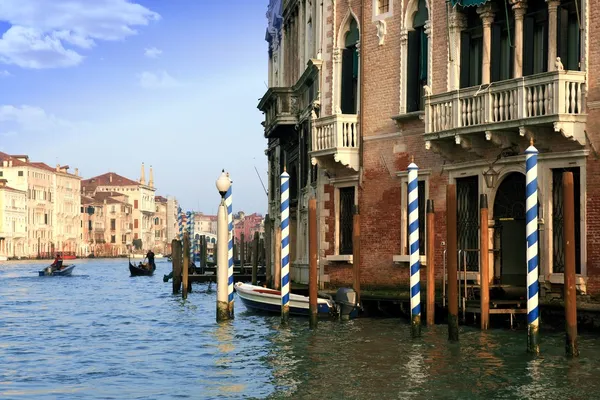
point(103, 335)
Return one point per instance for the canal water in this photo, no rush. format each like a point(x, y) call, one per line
point(101, 334)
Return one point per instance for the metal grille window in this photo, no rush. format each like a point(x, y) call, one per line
point(346, 219)
point(383, 6)
point(558, 245)
point(467, 193)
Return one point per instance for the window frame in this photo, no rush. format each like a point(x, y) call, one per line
point(378, 16)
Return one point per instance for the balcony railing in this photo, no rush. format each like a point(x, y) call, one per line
point(539, 99)
point(338, 136)
point(280, 106)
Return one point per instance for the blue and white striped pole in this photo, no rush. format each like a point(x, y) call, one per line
point(180, 223)
point(531, 206)
point(285, 247)
point(229, 205)
point(192, 240)
point(413, 241)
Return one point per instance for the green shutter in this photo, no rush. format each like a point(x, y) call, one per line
point(528, 48)
point(496, 60)
point(412, 73)
point(465, 59)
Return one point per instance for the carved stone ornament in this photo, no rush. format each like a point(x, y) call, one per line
point(337, 55)
point(381, 31)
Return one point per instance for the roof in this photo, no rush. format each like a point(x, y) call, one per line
point(160, 199)
point(17, 162)
point(105, 180)
point(86, 200)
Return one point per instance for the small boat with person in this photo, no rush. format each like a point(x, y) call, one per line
point(260, 298)
point(141, 269)
point(62, 270)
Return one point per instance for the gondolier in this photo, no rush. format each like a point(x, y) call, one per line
point(150, 256)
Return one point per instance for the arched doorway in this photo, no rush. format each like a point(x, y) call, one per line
point(509, 233)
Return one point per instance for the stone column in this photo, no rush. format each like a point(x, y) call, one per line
point(403, 68)
point(486, 12)
point(519, 8)
point(336, 86)
point(457, 23)
point(358, 105)
point(428, 29)
point(552, 32)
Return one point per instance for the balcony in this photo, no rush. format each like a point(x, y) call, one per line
point(551, 101)
point(280, 106)
point(336, 139)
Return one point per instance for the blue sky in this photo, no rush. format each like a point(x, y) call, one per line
point(105, 85)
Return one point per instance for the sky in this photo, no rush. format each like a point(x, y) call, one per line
point(104, 85)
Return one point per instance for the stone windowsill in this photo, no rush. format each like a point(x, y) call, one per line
point(405, 259)
point(346, 258)
point(409, 116)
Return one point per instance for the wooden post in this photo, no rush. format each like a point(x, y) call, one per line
point(312, 259)
point(452, 262)
point(277, 280)
point(186, 264)
point(430, 263)
point(242, 252)
point(268, 248)
point(355, 251)
point(484, 258)
point(255, 259)
point(571, 347)
point(176, 261)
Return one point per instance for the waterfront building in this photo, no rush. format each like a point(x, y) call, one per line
point(357, 88)
point(205, 223)
point(172, 229)
point(248, 225)
point(66, 226)
point(161, 243)
point(13, 221)
point(139, 195)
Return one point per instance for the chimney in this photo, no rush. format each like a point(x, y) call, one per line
point(151, 180)
point(143, 176)
point(76, 171)
point(110, 178)
point(57, 167)
point(10, 163)
point(5, 163)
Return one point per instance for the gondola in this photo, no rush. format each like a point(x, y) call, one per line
point(136, 270)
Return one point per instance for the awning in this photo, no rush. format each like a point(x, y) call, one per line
point(468, 3)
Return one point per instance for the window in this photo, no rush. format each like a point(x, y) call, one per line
point(113, 224)
point(156, 221)
point(135, 204)
point(123, 239)
point(502, 54)
point(113, 239)
point(136, 223)
point(417, 60)
point(20, 173)
point(471, 50)
point(383, 6)
point(1, 173)
point(569, 38)
point(89, 225)
point(558, 245)
point(350, 70)
point(45, 219)
point(535, 38)
point(346, 217)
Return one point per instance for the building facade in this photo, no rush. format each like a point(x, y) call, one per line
point(161, 243)
point(66, 209)
point(13, 221)
point(359, 88)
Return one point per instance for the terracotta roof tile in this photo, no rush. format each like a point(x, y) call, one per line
point(105, 180)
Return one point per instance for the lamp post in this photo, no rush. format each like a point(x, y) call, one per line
point(223, 314)
point(491, 176)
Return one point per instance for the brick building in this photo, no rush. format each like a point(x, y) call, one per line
point(357, 88)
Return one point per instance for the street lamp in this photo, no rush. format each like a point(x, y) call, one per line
point(223, 183)
point(223, 313)
point(491, 176)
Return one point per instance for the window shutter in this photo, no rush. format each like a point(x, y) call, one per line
point(528, 48)
point(496, 60)
point(563, 34)
point(347, 100)
point(465, 49)
point(412, 73)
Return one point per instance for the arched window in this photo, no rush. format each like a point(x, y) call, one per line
point(350, 70)
point(417, 60)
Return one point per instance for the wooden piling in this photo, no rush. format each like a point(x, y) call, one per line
point(255, 259)
point(242, 252)
point(484, 258)
point(452, 262)
point(186, 265)
point(268, 248)
point(176, 262)
point(430, 263)
point(312, 259)
point(277, 277)
point(571, 344)
point(355, 251)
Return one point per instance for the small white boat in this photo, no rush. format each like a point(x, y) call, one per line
point(264, 299)
point(65, 270)
point(142, 256)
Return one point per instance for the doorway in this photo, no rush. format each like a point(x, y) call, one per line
point(509, 216)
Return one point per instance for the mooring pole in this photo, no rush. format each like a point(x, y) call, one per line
point(430, 263)
point(186, 264)
point(312, 254)
point(268, 255)
point(484, 258)
point(285, 247)
point(355, 251)
point(223, 313)
point(452, 262)
point(572, 347)
point(413, 243)
point(531, 231)
point(277, 278)
point(255, 259)
point(229, 205)
point(176, 262)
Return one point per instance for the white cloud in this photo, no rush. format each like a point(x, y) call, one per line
point(4, 73)
point(23, 119)
point(152, 52)
point(43, 33)
point(161, 79)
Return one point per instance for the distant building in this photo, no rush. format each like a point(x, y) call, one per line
point(248, 225)
point(161, 243)
point(13, 221)
point(171, 228)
